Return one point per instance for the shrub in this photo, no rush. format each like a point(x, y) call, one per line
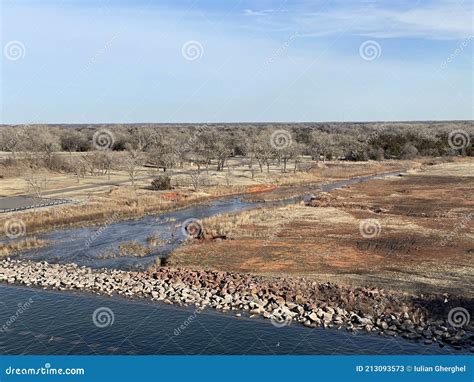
point(163, 182)
point(357, 156)
point(409, 151)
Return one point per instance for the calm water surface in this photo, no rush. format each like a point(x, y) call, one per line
point(62, 323)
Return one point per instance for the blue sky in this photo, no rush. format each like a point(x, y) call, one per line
point(235, 61)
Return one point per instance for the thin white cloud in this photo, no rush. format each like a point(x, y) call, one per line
point(439, 21)
point(265, 12)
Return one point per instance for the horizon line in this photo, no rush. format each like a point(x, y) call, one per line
point(236, 123)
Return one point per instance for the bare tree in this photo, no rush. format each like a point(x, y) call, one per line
point(142, 138)
point(105, 162)
point(284, 155)
point(72, 140)
point(320, 145)
point(297, 151)
point(12, 139)
point(222, 152)
point(195, 177)
point(91, 161)
point(77, 166)
point(264, 151)
point(36, 183)
point(42, 141)
point(132, 162)
point(162, 153)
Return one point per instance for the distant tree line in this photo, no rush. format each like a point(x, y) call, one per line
point(171, 145)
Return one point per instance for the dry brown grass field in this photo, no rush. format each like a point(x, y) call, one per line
point(423, 241)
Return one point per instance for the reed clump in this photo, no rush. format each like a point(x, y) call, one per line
point(7, 249)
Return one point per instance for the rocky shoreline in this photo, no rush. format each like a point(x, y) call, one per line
point(282, 300)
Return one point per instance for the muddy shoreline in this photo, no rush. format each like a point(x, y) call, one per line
point(426, 318)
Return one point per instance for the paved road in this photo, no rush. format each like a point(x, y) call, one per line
point(85, 187)
point(24, 202)
point(28, 201)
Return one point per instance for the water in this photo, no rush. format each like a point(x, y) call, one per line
point(87, 246)
point(61, 323)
